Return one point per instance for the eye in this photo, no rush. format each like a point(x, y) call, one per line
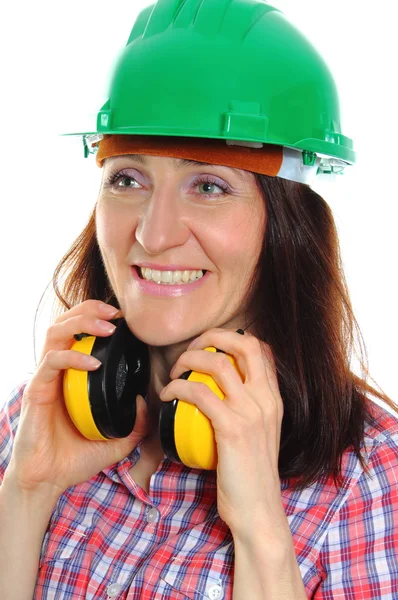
point(117, 178)
point(207, 182)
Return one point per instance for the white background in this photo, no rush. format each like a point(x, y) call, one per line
point(55, 61)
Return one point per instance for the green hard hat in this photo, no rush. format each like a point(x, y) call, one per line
point(235, 70)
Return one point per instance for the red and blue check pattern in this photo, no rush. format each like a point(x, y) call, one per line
point(108, 538)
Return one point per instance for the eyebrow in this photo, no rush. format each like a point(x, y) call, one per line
point(181, 163)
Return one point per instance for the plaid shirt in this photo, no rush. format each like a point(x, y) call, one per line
point(108, 538)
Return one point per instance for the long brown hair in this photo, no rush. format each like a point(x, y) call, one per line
point(302, 307)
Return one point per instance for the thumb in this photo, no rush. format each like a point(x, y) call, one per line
point(141, 426)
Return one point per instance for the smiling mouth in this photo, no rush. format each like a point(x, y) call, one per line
point(170, 277)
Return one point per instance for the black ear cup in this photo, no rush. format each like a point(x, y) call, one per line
point(125, 373)
point(102, 403)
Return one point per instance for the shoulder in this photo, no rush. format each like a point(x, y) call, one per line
point(9, 419)
point(380, 451)
point(380, 444)
point(381, 427)
point(376, 477)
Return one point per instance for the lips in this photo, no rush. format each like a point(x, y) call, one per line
point(175, 290)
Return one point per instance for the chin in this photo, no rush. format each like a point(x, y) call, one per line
point(156, 334)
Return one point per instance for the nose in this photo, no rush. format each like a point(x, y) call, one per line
point(161, 225)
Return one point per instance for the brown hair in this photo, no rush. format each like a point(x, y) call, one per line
point(303, 311)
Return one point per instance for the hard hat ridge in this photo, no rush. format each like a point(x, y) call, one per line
point(231, 18)
point(140, 24)
point(161, 17)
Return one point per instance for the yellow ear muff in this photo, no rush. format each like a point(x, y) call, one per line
point(77, 397)
point(102, 403)
point(187, 435)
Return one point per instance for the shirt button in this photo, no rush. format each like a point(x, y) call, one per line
point(215, 592)
point(152, 515)
point(113, 590)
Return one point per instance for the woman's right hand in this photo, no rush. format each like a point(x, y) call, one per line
point(48, 450)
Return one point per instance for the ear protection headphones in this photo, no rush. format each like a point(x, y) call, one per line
point(102, 403)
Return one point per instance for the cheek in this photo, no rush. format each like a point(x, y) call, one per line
point(110, 225)
point(114, 234)
point(236, 241)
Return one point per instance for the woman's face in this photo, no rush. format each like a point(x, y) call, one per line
point(178, 215)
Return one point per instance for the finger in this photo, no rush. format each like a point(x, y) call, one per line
point(270, 368)
point(272, 379)
point(141, 425)
point(200, 395)
point(255, 362)
point(90, 324)
point(60, 335)
point(93, 307)
point(246, 350)
point(215, 364)
point(50, 368)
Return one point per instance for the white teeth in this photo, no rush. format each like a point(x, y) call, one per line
point(167, 276)
point(170, 277)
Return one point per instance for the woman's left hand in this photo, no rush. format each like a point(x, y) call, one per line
point(247, 424)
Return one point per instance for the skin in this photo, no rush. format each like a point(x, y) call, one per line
point(163, 216)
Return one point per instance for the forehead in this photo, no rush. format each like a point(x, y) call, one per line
point(178, 164)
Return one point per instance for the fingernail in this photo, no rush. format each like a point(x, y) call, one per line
point(91, 361)
point(107, 309)
point(105, 326)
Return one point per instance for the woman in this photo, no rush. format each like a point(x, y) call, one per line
point(303, 503)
